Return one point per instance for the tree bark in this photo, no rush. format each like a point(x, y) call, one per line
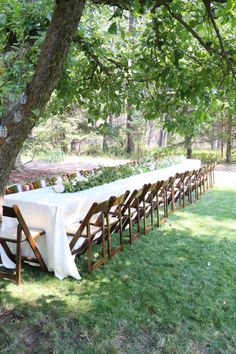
point(150, 133)
point(229, 140)
point(18, 165)
point(17, 123)
point(106, 136)
point(188, 145)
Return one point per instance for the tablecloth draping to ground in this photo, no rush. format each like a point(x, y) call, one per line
point(44, 208)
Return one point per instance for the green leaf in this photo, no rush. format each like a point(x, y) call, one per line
point(113, 28)
point(3, 19)
point(36, 111)
point(229, 5)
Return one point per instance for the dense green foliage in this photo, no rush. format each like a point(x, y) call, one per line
point(171, 292)
point(176, 64)
point(211, 156)
point(104, 175)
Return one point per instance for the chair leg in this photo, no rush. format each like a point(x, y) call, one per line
point(152, 221)
point(158, 213)
point(130, 227)
point(138, 222)
point(144, 220)
point(18, 264)
point(173, 199)
point(37, 253)
point(121, 233)
point(89, 257)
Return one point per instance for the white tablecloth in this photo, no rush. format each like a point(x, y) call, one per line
point(45, 209)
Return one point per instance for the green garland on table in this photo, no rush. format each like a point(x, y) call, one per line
point(104, 175)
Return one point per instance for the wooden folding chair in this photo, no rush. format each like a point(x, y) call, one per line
point(162, 200)
point(15, 188)
point(115, 223)
point(213, 165)
point(129, 212)
point(39, 184)
point(170, 188)
point(92, 229)
point(187, 186)
point(153, 201)
point(144, 206)
point(193, 185)
point(183, 189)
point(18, 235)
point(201, 181)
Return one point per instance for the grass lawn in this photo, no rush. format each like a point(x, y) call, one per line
point(173, 291)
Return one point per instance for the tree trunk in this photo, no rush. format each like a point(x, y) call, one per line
point(188, 145)
point(105, 146)
point(17, 123)
point(222, 147)
point(18, 163)
point(150, 133)
point(162, 138)
point(106, 136)
point(129, 125)
point(229, 140)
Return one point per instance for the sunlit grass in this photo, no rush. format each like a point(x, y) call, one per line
point(173, 291)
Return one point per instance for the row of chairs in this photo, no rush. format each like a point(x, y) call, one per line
point(106, 220)
point(49, 181)
point(113, 216)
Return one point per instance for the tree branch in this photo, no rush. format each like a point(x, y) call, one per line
point(86, 47)
point(207, 5)
point(189, 29)
point(122, 4)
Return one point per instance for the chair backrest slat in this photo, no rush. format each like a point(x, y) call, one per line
point(9, 212)
point(102, 209)
point(14, 212)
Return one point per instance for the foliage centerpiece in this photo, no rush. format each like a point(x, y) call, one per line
point(105, 175)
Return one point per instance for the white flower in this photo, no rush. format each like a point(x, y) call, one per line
point(80, 178)
point(59, 187)
point(209, 263)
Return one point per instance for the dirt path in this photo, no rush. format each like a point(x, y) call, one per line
point(39, 169)
point(226, 175)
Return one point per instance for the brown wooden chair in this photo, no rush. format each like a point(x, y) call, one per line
point(92, 229)
point(144, 206)
point(193, 185)
point(39, 184)
point(171, 195)
point(15, 188)
point(179, 188)
point(19, 235)
point(137, 211)
point(212, 174)
point(115, 223)
point(187, 186)
point(129, 212)
point(162, 201)
point(200, 181)
point(153, 201)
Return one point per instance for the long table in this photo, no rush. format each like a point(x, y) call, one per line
point(45, 209)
